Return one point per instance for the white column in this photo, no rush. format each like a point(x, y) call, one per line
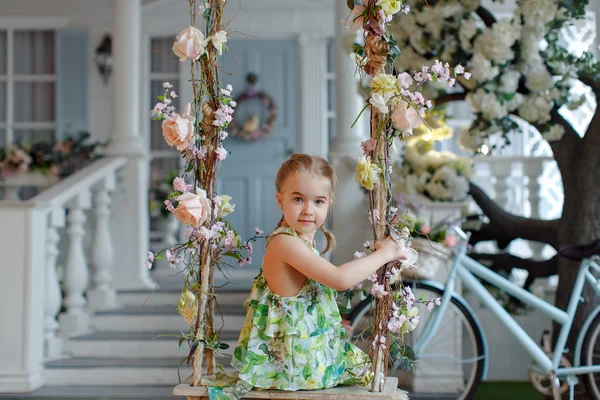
point(314, 138)
point(103, 295)
point(351, 203)
point(22, 291)
point(349, 102)
point(130, 230)
point(76, 319)
point(53, 345)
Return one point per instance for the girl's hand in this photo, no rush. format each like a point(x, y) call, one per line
point(396, 251)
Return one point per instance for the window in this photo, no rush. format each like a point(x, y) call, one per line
point(164, 67)
point(27, 86)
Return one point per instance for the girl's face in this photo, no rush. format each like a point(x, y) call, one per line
point(305, 200)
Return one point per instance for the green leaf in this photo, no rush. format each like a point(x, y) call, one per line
point(161, 98)
point(321, 318)
point(238, 353)
point(222, 346)
point(255, 359)
point(327, 375)
point(307, 372)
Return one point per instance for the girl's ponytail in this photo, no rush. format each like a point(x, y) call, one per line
point(330, 239)
point(280, 222)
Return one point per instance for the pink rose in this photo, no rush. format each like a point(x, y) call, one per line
point(450, 241)
point(425, 229)
point(193, 209)
point(178, 130)
point(405, 118)
point(189, 44)
point(355, 21)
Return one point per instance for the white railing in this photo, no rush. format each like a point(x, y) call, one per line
point(524, 186)
point(33, 242)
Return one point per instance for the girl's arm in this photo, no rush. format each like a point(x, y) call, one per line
point(295, 253)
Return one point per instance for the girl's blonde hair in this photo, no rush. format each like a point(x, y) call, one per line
point(304, 163)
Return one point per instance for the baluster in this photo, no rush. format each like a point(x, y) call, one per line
point(53, 345)
point(501, 169)
point(533, 168)
point(103, 295)
point(76, 319)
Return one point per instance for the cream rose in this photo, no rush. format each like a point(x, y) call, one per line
point(193, 209)
point(178, 130)
point(405, 118)
point(390, 7)
point(384, 85)
point(189, 44)
point(367, 174)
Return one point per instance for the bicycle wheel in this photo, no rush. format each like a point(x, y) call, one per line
point(452, 364)
point(590, 355)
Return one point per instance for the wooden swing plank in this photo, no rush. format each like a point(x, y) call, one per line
point(354, 392)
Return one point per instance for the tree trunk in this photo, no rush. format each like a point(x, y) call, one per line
point(579, 165)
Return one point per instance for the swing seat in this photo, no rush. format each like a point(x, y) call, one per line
point(354, 392)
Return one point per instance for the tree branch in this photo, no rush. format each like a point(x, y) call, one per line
point(513, 226)
point(486, 16)
point(490, 232)
point(450, 97)
point(506, 262)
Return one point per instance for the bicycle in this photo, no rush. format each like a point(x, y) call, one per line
point(459, 353)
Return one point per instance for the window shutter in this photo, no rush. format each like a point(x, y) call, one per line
point(72, 83)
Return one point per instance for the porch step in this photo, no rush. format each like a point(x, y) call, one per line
point(137, 345)
point(83, 371)
point(160, 319)
point(171, 295)
point(89, 392)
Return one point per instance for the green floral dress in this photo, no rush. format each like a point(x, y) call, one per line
point(291, 343)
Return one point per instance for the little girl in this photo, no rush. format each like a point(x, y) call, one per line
point(292, 337)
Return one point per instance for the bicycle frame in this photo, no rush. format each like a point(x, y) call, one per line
point(466, 269)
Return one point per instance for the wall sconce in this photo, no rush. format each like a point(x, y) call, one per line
point(104, 58)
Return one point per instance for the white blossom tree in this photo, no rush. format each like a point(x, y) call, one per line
point(520, 71)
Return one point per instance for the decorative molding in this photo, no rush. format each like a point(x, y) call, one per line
point(33, 22)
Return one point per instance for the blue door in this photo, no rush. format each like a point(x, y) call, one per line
point(248, 173)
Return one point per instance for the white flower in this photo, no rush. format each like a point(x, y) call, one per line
point(225, 207)
point(404, 80)
point(556, 132)
point(509, 81)
point(535, 109)
point(494, 47)
point(530, 45)
point(481, 68)
point(379, 103)
point(538, 78)
point(218, 39)
point(487, 104)
point(445, 184)
point(538, 13)
point(467, 30)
